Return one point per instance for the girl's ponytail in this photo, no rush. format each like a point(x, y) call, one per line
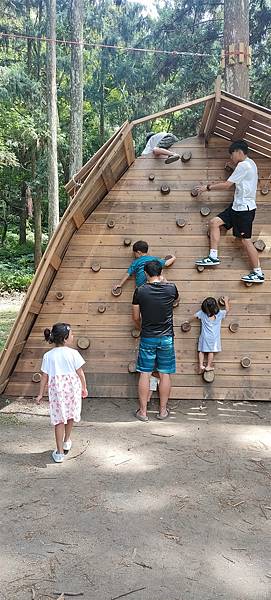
point(48, 335)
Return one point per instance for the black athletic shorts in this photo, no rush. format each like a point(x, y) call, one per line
point(239, 221)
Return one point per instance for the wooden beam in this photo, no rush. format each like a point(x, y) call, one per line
point(35, 308)
point(206, 113)
point(129, 148)
point(55, 261)
point(108, 177)
point(177, 108)
point(243, 124)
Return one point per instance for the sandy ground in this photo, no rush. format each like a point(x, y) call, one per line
point(180, 508)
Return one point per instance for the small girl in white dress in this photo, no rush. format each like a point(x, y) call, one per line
point(210, 341)
point(62, 369)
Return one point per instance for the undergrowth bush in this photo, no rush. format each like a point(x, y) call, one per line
point(16, 265)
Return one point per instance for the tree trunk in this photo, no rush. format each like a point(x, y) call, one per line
point(102, 98)
point(236, 30)
point(37, 231)
point(22, 226)
point(53, 199)
point(76, 121)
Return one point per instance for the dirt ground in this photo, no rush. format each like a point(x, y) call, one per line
point(170, 510)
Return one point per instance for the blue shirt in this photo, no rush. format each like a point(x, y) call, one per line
point(137, 267)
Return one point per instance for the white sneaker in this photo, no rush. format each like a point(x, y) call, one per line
point(58, 457)
point(67, 446)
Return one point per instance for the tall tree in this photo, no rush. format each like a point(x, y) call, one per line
point(53, 196)
point(76, 123)
point(236, 32)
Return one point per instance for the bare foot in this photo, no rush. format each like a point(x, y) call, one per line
point(209, 368)
point(201, 369)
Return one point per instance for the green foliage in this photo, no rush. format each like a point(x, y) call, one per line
point(16, 265)
point(7, 318)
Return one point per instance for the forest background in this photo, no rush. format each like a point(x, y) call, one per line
point(117, 85)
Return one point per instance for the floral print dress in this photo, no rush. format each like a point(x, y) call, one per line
point(64, 385)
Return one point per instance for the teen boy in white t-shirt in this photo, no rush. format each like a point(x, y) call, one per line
point(240, 214)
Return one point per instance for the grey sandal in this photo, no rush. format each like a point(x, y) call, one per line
point(140, 417)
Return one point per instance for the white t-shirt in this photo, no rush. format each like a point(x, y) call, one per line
point(153, 141)
point(245, 177)
point(61, 360)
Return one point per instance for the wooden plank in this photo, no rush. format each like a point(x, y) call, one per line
point(243, 124)
point(78, 218)
point(173, 109)
point(173, 274)
point(235, 102)
point(108, 177)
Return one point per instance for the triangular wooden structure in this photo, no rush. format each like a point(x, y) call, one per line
point(114, 186)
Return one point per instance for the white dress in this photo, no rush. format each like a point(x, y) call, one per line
point(209, 339)
point(64, 385)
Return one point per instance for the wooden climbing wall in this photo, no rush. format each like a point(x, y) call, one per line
point(140, 211)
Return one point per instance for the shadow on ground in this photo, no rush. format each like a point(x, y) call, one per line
point(179, 508)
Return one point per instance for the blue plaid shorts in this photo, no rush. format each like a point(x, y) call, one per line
point(156, 354)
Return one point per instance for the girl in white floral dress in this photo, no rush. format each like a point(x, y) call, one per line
point(62, 369)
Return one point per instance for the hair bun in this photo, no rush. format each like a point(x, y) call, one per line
point(47, 334)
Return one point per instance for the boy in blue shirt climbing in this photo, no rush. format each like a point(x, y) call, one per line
point(140, 250)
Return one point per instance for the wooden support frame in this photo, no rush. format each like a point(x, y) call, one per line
point(98, 177)
point(169, 111)
point(73, 216)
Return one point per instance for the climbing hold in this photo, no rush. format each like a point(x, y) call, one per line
point(83, 343)
point(185, 326)
point(200, 268)
point(36, 377)
point(132, 367)
point(221, 302)
point(208, 376)
point(116, 290)
point(186, 156)
point(265, 189)
point(245, 362)
point(176, 303)
point(111, 223)
point(233, 327)
point(95, 267)
point(259, 245)
point(205, 211)
point(101, 308)
point(127, 242)
point(194, 193)
point(180, 222)
point(59, 295)
point(135, 333)
point(151, 177)
point(165, 189)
